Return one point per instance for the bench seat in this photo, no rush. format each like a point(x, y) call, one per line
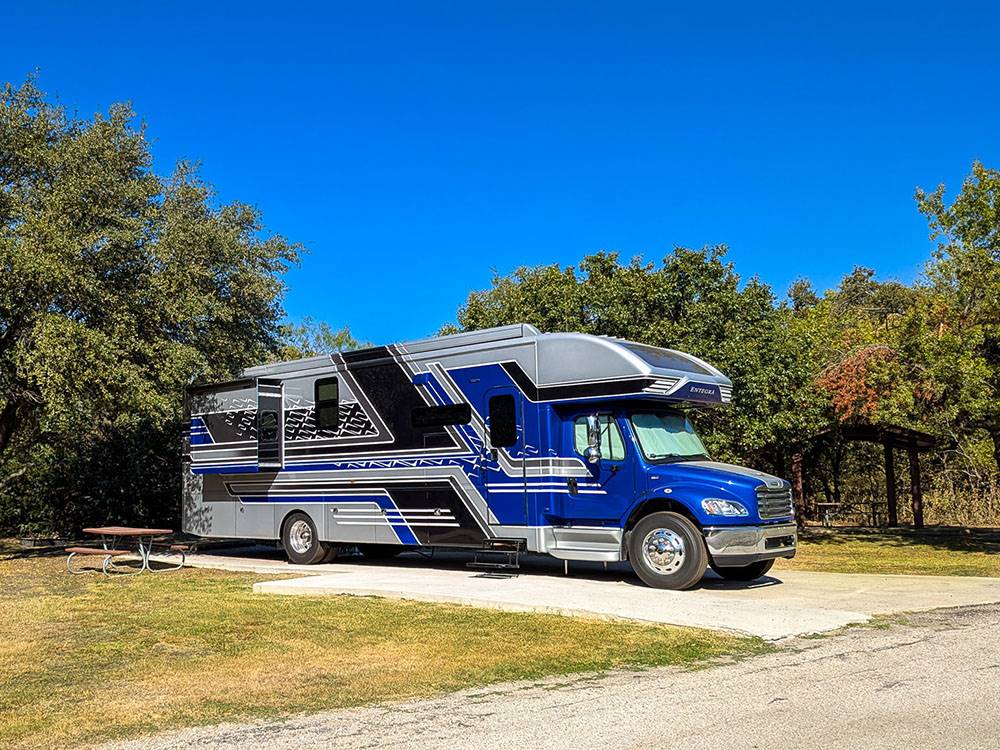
point(98, 551)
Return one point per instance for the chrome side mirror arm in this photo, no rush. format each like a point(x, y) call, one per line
point(593, 452)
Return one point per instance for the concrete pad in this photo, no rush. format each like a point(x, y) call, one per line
point(785, 604)
point(573, 596)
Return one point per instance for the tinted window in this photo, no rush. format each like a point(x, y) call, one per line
point(327, 390)
point(612, 443)
point(268, 426)
point(503, 421)
point(429, 417)
point(327, 398)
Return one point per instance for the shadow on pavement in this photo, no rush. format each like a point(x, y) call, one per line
point(530, 564)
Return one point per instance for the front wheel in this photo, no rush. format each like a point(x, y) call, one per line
point(750, 572)
point(667, 552)
point(301, 542)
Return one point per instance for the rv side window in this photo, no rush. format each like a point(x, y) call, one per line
point(429, 418)
point(268, 426)
point(327, 398)
point(612, 443)
point(503, 421)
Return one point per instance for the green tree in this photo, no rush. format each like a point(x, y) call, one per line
point(119, 287)
point(310, 337)
point(964, 276)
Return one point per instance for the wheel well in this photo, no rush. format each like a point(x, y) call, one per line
point(654, 505)
point(657, 505)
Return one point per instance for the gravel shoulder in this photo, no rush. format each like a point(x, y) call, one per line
point(930, 680)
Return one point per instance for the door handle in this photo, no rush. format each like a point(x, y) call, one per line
point(573, 486)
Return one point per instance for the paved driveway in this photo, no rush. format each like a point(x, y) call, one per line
point(786, 604)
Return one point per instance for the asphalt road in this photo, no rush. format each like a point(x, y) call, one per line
point(932, 682)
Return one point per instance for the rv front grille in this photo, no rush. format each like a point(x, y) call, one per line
point(774, 503)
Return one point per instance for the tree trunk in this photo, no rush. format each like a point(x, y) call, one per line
point(798, 493)
point(808, 486)
point(8, 424)
point(995, 434)
point(836, 461)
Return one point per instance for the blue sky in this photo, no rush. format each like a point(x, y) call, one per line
point(414, 147)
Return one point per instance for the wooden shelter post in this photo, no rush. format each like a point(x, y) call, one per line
point(916, 492)
point(890, 485)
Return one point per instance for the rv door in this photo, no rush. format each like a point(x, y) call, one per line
point(503, 464)
point(270, 425)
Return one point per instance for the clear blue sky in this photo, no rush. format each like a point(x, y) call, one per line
point(413, 147)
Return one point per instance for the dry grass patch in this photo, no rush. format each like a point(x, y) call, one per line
point(902, 552)
point(85, 659)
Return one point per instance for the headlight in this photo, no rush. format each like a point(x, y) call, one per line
point(717, 507)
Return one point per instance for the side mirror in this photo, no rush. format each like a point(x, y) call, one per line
point(593, 452)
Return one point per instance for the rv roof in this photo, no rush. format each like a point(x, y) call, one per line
point(470, 338)
point(560, 357)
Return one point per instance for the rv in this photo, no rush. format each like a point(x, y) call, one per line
point(501, 440)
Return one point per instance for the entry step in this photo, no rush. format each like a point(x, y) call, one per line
point(500, 544)
point(498, 555)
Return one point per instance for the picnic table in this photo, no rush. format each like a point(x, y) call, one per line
point(113, 542)
point(871, 508)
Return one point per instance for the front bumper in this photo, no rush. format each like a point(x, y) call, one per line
point(735, 546)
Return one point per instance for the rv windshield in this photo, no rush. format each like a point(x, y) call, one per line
point(667, 436)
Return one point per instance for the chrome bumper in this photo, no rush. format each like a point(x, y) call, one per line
point(733, 546)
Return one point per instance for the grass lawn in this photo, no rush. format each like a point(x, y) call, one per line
point(85, 659)
point(899, 552)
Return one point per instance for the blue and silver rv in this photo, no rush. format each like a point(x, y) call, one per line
point(506, 439)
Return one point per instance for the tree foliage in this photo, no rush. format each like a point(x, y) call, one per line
point(310, 337)
point(962, 314)
point(119, 288)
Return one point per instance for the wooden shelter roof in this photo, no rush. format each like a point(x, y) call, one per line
point(886, 434)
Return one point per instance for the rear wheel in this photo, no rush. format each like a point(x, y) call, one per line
point(750, 572)
point(667, 552)
point(301, 542)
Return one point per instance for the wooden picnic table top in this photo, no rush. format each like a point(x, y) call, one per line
point(126, 531)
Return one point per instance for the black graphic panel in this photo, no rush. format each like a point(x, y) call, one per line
point(391, 392)
point(443, 496)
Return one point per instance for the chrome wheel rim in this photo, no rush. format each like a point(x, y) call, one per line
point(663, 551)
point(300, 537)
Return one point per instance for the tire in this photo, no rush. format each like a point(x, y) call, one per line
point(380, 551)
point(300, 540)
point(750, 572)
point(667, 551)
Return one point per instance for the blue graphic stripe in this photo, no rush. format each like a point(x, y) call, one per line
point(199, 433)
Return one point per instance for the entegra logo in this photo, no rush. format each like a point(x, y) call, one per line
point(706, 391)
